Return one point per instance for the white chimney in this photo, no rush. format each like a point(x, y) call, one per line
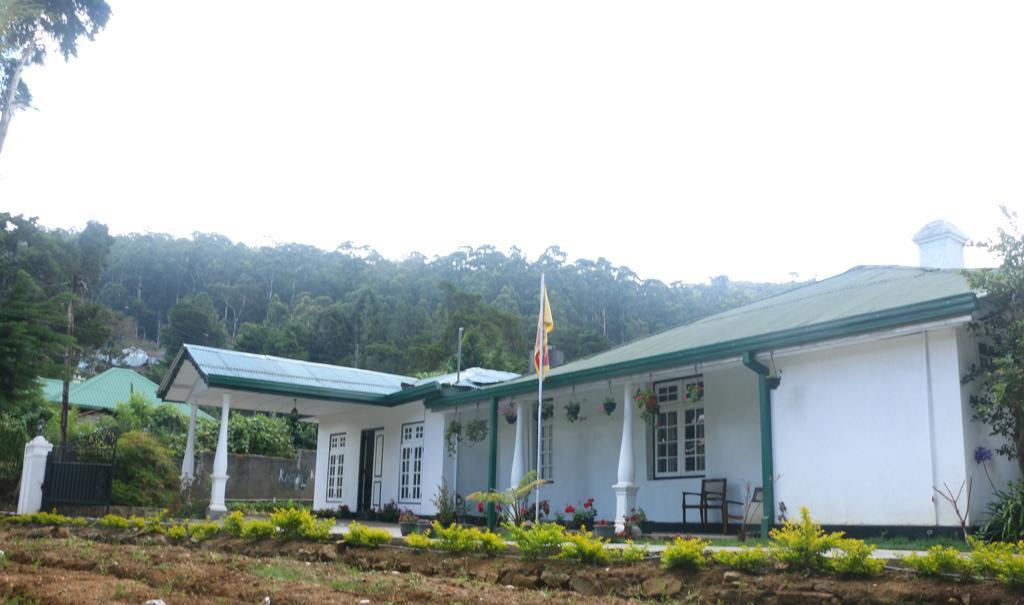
point(941, 245)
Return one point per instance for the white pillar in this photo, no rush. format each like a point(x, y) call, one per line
point(30, 500)
point(220, 462)
point(519, 462)
point(625, 488)
point(188, 462)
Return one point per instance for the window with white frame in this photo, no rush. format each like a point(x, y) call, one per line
point(546, 465)
point(335, 466)
point(678, 431)
point(410, 463)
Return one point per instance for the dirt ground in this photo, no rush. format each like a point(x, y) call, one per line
point(89, 566)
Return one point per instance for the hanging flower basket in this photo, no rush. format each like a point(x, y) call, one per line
point(509, 411)
point(647, 401)
point(694, 392)
point(547, 410)
point(451, 436)
point(475, 431)
point(608, 405)
point(572, 411)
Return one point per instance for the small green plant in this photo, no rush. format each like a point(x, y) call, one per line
point(233, 524)
point(990, 558)
point(113, 522)
point(42, 518)
point(585, 548)
point(941, 561)
point(203, 530)
point(177, 533)
point(541, 540)
point(1012, 571)
point(854, 559)
point(418, 541)
point(631, 553)
point(361, 535)
point(458, 539)
point(293, 523)
point(802, 545)
point(258, 530)
point(748, 559)
point(684, 554)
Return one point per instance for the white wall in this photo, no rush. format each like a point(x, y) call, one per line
point(352, 422)
point(853, 431)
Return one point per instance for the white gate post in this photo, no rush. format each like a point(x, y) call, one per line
point(625, 488)
point(220, 462)
point(30, 500)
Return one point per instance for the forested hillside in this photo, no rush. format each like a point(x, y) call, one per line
point(351, 306)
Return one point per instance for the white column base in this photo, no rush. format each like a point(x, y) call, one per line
point(217, 506)
point(30, 499)
point(625, 501)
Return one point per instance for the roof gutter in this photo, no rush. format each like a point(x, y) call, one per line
point(959, 304)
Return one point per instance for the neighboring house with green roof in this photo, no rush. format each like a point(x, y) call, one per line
point(843, 395)
point(102, 393)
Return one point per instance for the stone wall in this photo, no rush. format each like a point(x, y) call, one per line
point(261, 477)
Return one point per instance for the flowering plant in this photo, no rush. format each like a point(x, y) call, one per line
point(480, 507)
point(608, 405)
point(647, 401)
point(585, 514)
point(509, 411)
point(694, 391)
point(602, 523)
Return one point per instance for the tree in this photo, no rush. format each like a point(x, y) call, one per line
point(999, 401)
point(26, 27)
point(194, 321)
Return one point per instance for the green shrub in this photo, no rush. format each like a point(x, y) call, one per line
point(585, 548)
point(802, 545)
point(542, 540)
point(990, 558)
point(419, 541)
point(941, 561)
point(854, 559)
point(145, 474)
point(684, 554)
point(361, 535)
point(459, 539)
point(296, 523)
point(749, 559)
point(113, 522)
point(1012, 571)
point(258, 530)
point(265, 506)
point(203, 530)
point(630, 553)
point(42, 518)
point(233, 524)
point(177, 533)
point(1006, 515)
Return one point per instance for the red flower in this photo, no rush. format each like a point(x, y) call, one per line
point(588, 503)
point(569, 509)
point(480, 507)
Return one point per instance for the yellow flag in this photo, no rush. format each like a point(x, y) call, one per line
point(545, 324)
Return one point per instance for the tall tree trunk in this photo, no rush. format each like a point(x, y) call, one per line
point(68, 355)
point(10, 93)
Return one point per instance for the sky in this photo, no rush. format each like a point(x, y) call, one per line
point(682, 139)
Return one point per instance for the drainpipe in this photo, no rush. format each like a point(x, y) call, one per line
point(492, 462)
point(764, 391)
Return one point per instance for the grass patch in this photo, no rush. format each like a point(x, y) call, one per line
point(279, 571)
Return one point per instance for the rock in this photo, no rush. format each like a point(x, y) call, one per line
point(586, 586)
point(155, 602)
point(554, 579)
point(731, 576)
point(521, 580)
point(661, 586)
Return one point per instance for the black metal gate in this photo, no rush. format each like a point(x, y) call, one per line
point(82, 472)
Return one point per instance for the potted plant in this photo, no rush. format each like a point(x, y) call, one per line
point(636, 523)
point(604, 528)
point(451, 436)
point(407, 522)
point(474, 431)
point(773, 380)
point(608, 405)
point(547, 410)
point(694, 391)
point(571, 522)
point(344, 512)
point(509, 411)
point(585, 514)
point(647, 401)
point(572, 411)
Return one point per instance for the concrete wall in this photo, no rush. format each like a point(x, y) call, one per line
point(262, 477)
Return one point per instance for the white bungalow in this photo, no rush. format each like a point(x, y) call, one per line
point(846, 391)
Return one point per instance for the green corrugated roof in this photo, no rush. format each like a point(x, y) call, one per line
point(863, 299)
point(105, 390)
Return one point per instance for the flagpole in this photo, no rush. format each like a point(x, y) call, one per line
point(541, 335)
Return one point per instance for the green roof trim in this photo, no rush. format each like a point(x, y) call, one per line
point(862, 300)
